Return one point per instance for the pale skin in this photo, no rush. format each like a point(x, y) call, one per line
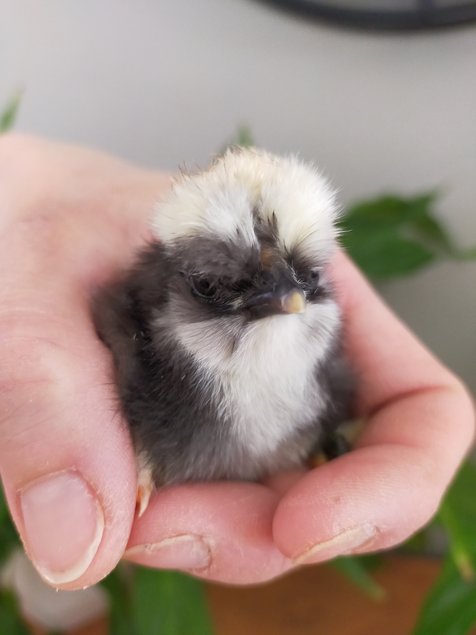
point(69, 219)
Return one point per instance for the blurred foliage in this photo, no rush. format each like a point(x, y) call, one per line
point(457, 514)
point(243, 138)
point(359, 571)
point(151, 602)
point(10, 620)
point(450, 608)
point(389, 237)
point(8, 534)
point(9, 114)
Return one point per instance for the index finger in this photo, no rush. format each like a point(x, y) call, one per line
point(420, 424)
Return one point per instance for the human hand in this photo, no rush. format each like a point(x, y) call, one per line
point(70, 218)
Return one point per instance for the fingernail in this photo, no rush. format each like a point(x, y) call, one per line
point(341, 544)
point(185, 552)
point(63, 523)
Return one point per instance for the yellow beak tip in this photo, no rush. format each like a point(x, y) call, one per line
point(294, 302)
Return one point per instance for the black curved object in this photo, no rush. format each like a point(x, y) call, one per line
point(426, 14)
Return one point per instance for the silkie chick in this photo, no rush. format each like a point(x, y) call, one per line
point(226, 335)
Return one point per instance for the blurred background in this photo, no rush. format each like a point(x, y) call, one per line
point(164, 83)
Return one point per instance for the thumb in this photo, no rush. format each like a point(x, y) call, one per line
point(66, 462)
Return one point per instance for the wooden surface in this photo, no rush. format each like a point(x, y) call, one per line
point(320, 601)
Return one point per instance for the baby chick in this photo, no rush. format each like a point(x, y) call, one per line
point(225, 333)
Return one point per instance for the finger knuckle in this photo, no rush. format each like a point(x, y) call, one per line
point(30, 381)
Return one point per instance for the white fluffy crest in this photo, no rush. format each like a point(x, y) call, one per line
point(245, 184)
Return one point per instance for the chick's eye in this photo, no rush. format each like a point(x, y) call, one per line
point(311, 278)
point(202, 286)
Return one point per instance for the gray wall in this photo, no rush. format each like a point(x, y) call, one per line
point(165, 82)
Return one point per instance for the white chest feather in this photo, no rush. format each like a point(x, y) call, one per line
point(263, 374)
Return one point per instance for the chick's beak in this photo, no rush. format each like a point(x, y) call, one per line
point(276, 302)
point(293, 302)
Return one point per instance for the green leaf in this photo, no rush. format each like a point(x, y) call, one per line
point(117, 584)
point(356, 570)
point(152, 602)
point(385, 236)
point(9, 114)
point(430, 230)
point(457, 514)
point(388, 211)
point(8, 535)
point(10, 620)
point(393, 236)
point(382, 253)
point(243, 137)
point(168, 603)
point(450, 609)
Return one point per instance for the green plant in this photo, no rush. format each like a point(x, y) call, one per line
point(450, 608)
point(10, 620)
point(392, 236)
point(148, 602)
point(388, 237)
point(9, 113)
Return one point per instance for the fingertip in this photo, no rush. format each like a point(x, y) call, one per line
point(68, 470)
point(365, 501)
point(217, 531)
